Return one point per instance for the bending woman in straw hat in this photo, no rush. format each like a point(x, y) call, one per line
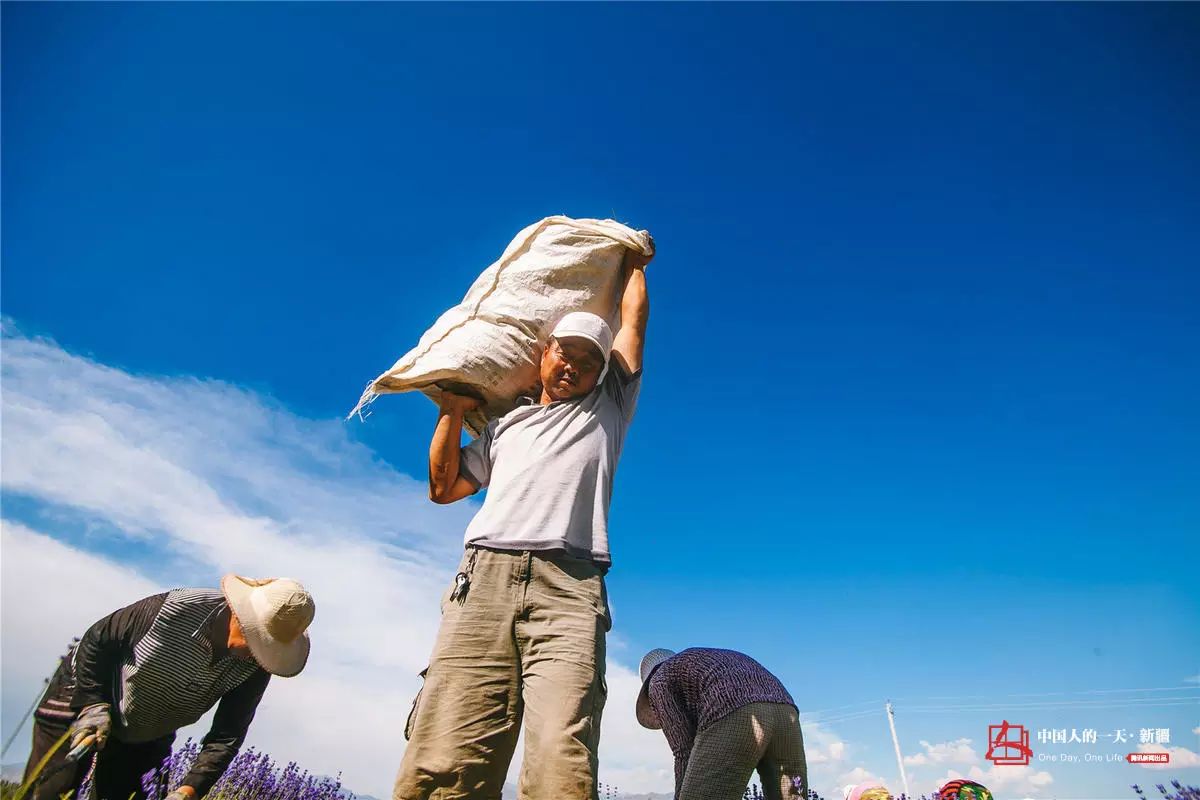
point(148, 669)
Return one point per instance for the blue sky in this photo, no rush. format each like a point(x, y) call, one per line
point(922, 369)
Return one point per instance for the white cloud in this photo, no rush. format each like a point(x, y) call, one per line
point(185, 479)
point(822, 745)
point(832, 753)
point(1181, 757)
point(958, 751)
point(65, 589)
point(831, 761)
point(1006, 780)
point(1009, 779)
point(860, 775)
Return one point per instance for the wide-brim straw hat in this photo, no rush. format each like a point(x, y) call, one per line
point(645, 712)
point(274, 614)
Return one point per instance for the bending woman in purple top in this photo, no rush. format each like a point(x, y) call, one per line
point(724, 716)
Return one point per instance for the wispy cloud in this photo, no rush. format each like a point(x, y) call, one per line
point(958, 751)
point(859, 775)
point(960, 759)
point(833, 762)
point(49, 592)
point(1025, 780)
point(180, 480)
point(1006, 780)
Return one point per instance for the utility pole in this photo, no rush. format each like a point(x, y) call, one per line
point(13, 736)
point(37, 698)
point(891, 714)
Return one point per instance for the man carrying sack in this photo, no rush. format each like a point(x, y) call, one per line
point(148, 669)
point(524, 621)
point(724, 716)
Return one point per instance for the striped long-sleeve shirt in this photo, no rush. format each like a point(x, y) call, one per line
point(696, 687)
point(155, 662)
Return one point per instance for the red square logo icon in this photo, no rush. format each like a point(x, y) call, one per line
point(1008, 745)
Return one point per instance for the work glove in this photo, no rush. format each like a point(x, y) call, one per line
point(90, 730)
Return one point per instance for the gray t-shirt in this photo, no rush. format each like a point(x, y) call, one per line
point(549, 470)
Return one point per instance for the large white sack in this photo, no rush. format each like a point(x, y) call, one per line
point(492, 341)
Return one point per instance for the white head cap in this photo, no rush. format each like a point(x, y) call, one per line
point(586, 325)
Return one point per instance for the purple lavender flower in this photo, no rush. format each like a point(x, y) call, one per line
point(251, 776)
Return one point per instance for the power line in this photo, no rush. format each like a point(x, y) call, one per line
point(1057, 694)
point(850, 705)
point(842, 718)
point(821, 712)
point(1147, 701)
point(856, 711)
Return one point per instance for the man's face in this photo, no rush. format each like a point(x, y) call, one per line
point(236, 643)
point(570, 367)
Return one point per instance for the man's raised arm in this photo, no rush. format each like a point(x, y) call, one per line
point(635, 312)
point(446, 482)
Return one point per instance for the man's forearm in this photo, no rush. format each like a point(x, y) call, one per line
point(635, 311)
point(220, 745)
point(210, 765)
point(444, 452)
point(635, 301)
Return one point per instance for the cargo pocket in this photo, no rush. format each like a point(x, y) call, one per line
point(599, 698)
point(411, 722)
point(605, 609)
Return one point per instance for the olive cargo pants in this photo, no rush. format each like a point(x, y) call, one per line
point(762, 736)
point(525, 640)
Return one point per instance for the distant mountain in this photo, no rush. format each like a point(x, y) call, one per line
point(12, 772)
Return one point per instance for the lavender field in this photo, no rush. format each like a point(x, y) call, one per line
point(254, 775)
point(251, 776)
